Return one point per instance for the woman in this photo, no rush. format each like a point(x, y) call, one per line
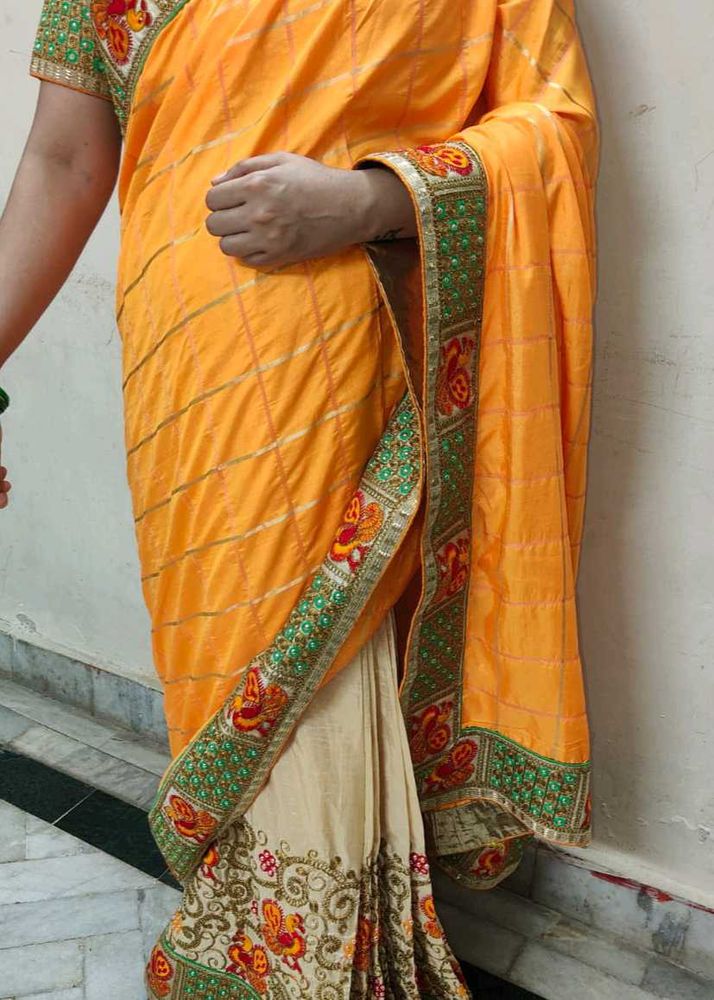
point(357, 406)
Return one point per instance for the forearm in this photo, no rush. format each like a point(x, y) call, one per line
point(388, 211)
point(52, 209)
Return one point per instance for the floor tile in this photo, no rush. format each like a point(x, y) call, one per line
point(665, 980)
point(152, 759)
point(12, 724)
point(54, 878)
point(114, 967)
point(156, 907)
point(62, 718)
point(76, 917)
point(46, 745)
point(118, 828)
point(487, 987)
point(497, 906)
point(77, 994)
point(45, 841)
point(607, 954)
point(483, 945)
point(41, 968)
point(37, 789)
point(121, 780)
point(559, 977)
point(12, 833)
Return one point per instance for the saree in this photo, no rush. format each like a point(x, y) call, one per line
point(395, 433)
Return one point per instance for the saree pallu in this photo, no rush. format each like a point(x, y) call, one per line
point(399, 426)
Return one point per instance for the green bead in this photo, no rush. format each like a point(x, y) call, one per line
point(319, 603)
point(338, 596)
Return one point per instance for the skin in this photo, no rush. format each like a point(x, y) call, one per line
point(267, 211)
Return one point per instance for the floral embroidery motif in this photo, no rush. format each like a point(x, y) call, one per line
point(284, 935)
point(258, 706)
point(361, 524)
point(453, 562)
point(334, 931)
point(159, 973)
point(454, 386)
point(250, 961)
point(117, 22)
point(190, 823)
point(492, 860)
point(431, 924)
point(441, 160)
point(210, 860)
point(455, 769)
point(268, 862)
point(430, 731)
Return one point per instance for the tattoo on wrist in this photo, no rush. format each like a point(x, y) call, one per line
point(391, 234)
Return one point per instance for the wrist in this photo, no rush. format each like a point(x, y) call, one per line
point(384, 206)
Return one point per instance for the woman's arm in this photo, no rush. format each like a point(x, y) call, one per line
point(282, 208)
point(64, 180)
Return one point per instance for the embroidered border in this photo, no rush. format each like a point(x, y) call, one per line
point(221, 771)
point(456, 764)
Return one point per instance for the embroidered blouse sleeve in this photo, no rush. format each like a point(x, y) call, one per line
point(66, 50)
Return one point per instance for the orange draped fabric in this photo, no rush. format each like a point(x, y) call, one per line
point(254, 401)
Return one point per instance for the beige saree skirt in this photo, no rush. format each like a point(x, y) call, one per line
point(322, 890)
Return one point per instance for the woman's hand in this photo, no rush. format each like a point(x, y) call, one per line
point(4, 484)
point(282, 208)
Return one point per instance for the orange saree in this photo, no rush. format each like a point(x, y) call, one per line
point(399, 426)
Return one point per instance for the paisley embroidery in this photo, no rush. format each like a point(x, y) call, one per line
point(250, 961)
point(284, 935)
point(361, 524)
point(159, 973)
point(454, 387)
point(441, 160)
point(430, 731)
point(258, 706)
point(455, 769)
point(117, 22)
point(492, 860)
point(453, 560)
point(193, 824)
point(210, 860)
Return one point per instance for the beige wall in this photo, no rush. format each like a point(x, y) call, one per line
point(68, 574)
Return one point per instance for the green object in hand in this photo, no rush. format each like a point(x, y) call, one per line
point(4, 400)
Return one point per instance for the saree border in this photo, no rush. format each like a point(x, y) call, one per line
point(456, 764)
point(217, 776)
point(170, 974)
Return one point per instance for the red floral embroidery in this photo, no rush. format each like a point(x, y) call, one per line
point(430, 731)
point(359, 527)
point(258, 706)
point(453, 560)
point(284, 935)
point(441, 160)
point(116, 23)
point(419, 863)
point(377, 988)
point(210, 860)
point(250, 961)
point(455, 769)
point(431, 923)
point(159, 973)
point(188, 822)
point(492, 860)
point(367, 936)
point(268, 862)
point(454, 388)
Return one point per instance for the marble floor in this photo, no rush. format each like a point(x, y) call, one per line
point(75, 922)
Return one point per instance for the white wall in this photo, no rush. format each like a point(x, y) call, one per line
point(68, 573)
point(68, 566)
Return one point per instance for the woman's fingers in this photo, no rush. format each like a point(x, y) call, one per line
point(241, 245)
point(249, 166)
point(229, 222)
